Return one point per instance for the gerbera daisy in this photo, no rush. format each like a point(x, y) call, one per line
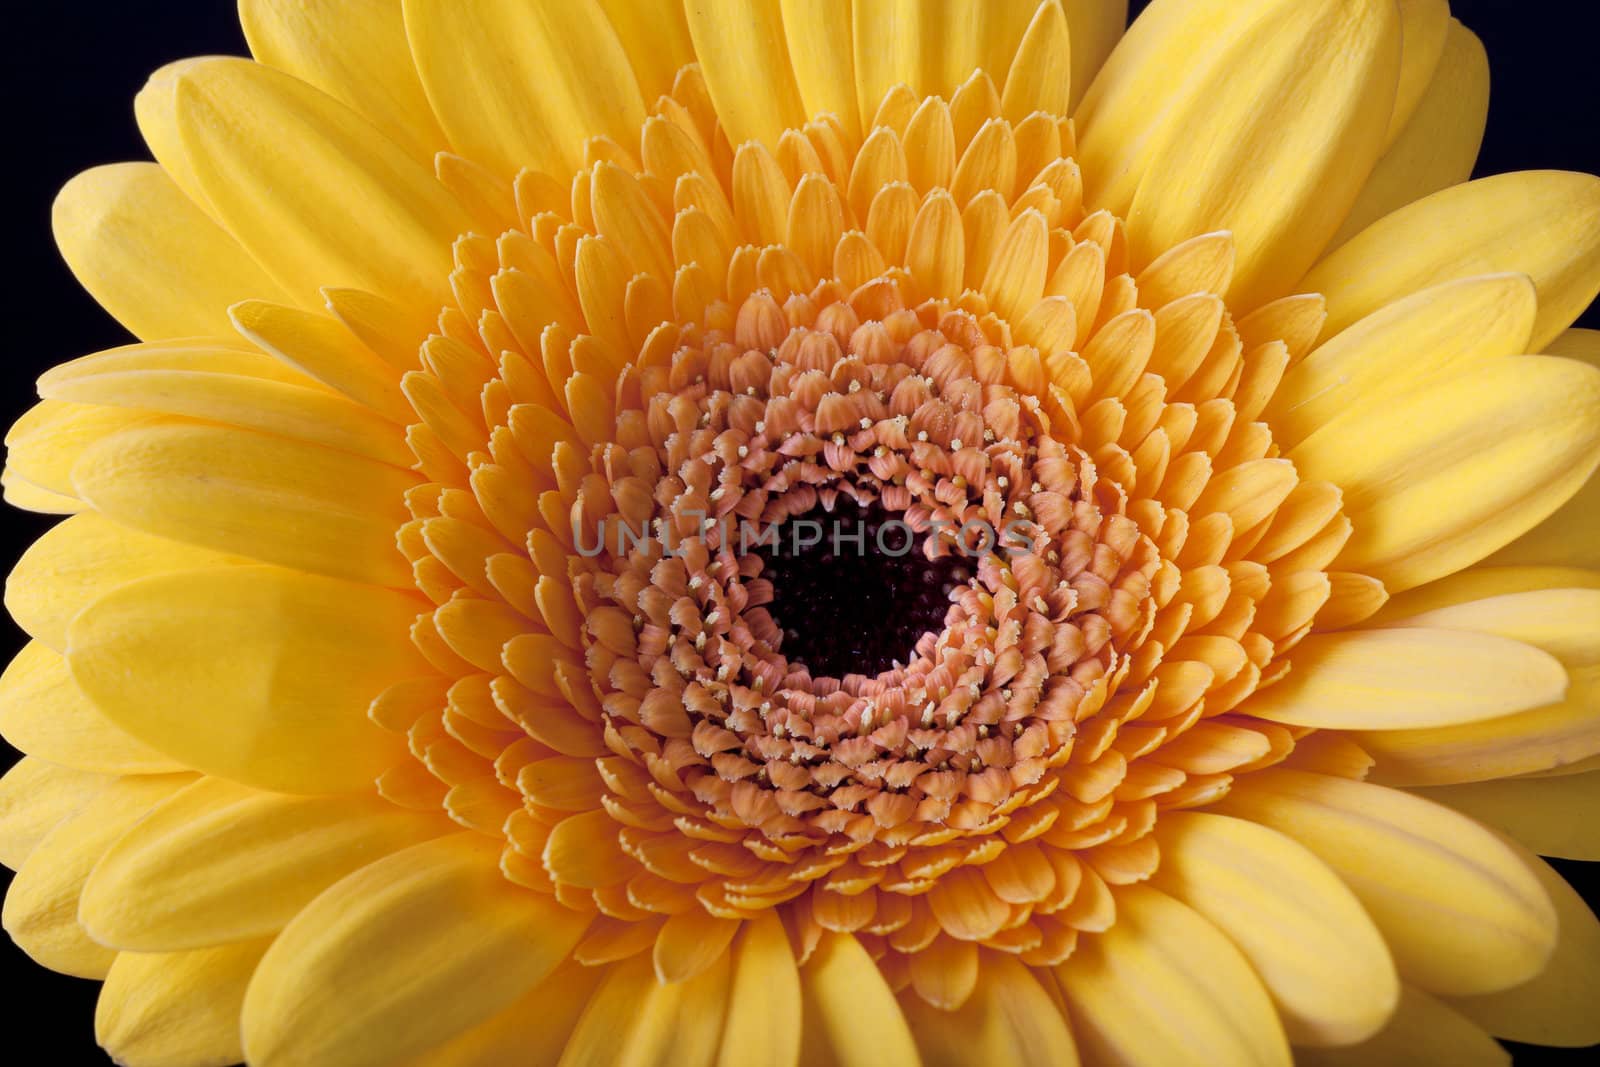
point(805, 531)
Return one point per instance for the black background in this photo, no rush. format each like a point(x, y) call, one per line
point(72, 69)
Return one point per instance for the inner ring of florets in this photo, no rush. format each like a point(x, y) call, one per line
point(790, 412)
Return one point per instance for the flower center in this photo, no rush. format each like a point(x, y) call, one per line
point(854, 592)
point(893, 554)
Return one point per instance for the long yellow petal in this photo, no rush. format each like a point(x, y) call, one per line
point(1095, 27)
point(1423, 873)
point(1040, 77)
point(231, 672)
point(933, 46)
point(534, 1029)
point(1482, 583)
point(679, 1024)
point(1558, 620)
point(83, 558)
point(41, 908)
point(1424, 25)
point(150, 257)
point(633, 1020)
point(841, 985)
point(1275, 142)
point(1165, 986)
point(177, 1009)
point(764, 1021)
point(1443, 328)
point(467, 942)
point(34, 797)
point(45, 443)
point(315, 193)
point(1408, 678)
point(251, 494)
point(1010, 1018)
point(21, 493)
point(1145, 80)
point(1552, 736)
point(353, 50)
point(1551, 816)
point(524, 84)
point(220, 862)
point(1545, 224)
point(1557, 1007)
point(1438, 146)
point(1319, 955)
point(1424, 1030)
point(818, 33)
point(745, 59)
point(1568, 536)
point(325, 350)
point(302, 411)
point(655, 38)
point(45, 714)
point(1438, 478)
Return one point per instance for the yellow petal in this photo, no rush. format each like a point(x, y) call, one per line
point(1423, 872)
point(1551, 816)
point(1558, 620)
point(1040, 78)
point(518, 84)
point(152, 258)
point(534, 1029)
point(301, 411)
point(220, 862)
point(1484, 582)
point(933, 46)
point(81, 559)
point(1096, 26)
point(44, 444)
point(1444, 328)
point(764, 1019)
point(841, 985)
point(178, 1009)
point(1320, 957)
point(1147, 77)
point(34, 797)
point(1545, 224)
point(1567, 537)
point(467, 942)
point(745, 59)
point(1557, 1007)
point(1275, 142)
point(231, 672)
point(690, 943)
point(353, 50)
point(818, 33)
point(1424, 25)
point(1436, 479)
point(328, 352)
point(1009, 1019)
point(679, 1024)
point(1438, 146)
point(1408, 678)
point(20, 493)
point(41, 908)
point(45, 714)
point(1164, 986)
point(656, 40)
point(253, 495)
point(316, 194)
point(1552, 736)
point(1424, 1030)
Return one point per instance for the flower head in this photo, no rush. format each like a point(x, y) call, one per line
point(808, 532)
